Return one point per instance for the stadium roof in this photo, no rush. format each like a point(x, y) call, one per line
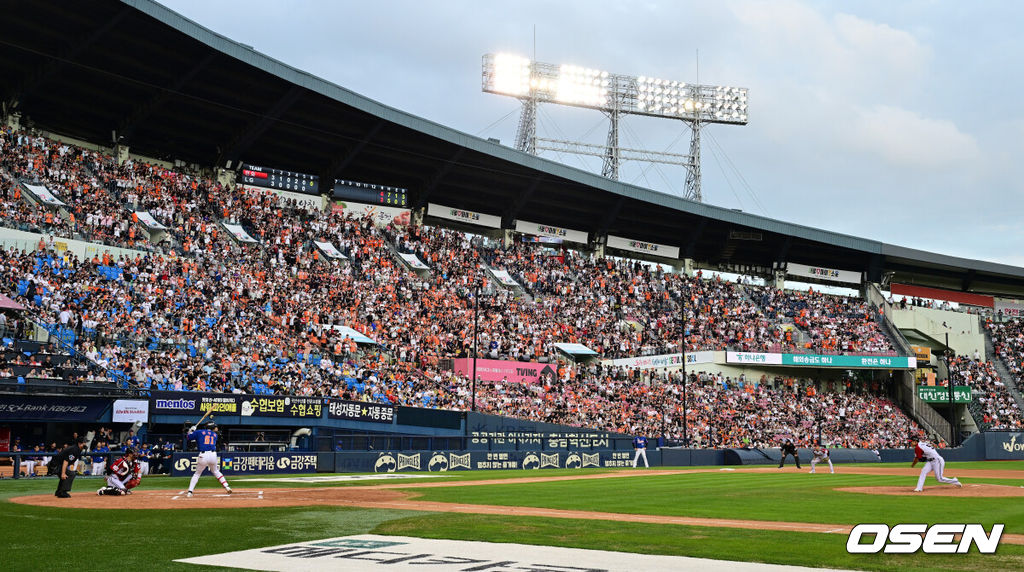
point(172, 89)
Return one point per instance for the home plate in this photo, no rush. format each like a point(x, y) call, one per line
point(374, 552)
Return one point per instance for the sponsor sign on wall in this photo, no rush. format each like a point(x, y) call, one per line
point(1009, 308)
point(131, 411)
point(753, 358)
point(380, 215)
point(537, 229)
point(1001, 445)
point(192, 403)
point(923, 354)
point(931, 394)
point(655, 249)
point(19, 408)
point(821, 273)
point(547, 441)
point(461, 215)
point(661, 361)
point(512, 371)
point(885, 362)
point(360, 411)
point(442, 461)
point(233, 463)
point(281, 406)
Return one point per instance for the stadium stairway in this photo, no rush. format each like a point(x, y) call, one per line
point(1002, 370)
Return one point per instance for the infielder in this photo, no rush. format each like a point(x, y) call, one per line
point(821, 454)
point(932, 462)
point(640, 444)
point(206, 440)
point(123, 475)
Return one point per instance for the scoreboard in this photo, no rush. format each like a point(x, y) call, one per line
point(371, 193)
point(279, 179)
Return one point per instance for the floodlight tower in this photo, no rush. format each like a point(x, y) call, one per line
point(534, 82)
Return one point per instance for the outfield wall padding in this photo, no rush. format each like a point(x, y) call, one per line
point(771, 456)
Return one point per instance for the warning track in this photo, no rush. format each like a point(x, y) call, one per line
point(390, 497)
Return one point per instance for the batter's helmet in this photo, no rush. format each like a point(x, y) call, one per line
point(210, 425)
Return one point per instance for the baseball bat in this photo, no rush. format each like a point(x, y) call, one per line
point(208, 411)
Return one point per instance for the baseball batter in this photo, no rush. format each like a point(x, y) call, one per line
point(933, 462)
point(123, 475)
point(206, 440)
point(821, 454)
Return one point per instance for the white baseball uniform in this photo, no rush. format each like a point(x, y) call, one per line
point(821, 454)
point(932, 462)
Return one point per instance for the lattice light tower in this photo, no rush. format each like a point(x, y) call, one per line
point(533, 82)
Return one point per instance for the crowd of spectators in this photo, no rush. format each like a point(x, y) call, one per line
point(220, 315)
point(997, 408)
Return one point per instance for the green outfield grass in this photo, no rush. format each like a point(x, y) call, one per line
point(152, 539)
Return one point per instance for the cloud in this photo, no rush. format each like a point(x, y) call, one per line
point(904, 138)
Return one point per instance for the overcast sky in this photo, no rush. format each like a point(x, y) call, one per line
point(894, 121)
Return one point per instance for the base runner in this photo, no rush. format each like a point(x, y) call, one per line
point(933, 462)
point(206, 440)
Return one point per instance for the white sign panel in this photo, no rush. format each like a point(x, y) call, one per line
point(329, 250)
point(821, 273)
point(238, 232)
point(469, 217)
point(302, 200)
point(414, 262)
point(44, 195)
point(664, 361)
point(504, 277)
point(537, 229)
point(367, 552)
point(1009, 308)
point(644, 247)
point(753, 358)
point(380, 215)
point(131, 410)
point(148, 220)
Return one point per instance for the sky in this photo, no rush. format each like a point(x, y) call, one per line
point(892, 121)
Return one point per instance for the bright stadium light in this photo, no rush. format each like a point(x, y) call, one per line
point(535, 82)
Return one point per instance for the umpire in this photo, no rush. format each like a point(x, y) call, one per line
point(65, 461)
point(788, 448)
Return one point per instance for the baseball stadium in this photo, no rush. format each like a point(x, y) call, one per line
point(254, 320)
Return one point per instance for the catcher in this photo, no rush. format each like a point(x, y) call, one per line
point(122, 475)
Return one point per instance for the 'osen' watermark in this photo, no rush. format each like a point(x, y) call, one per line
point(934, 539)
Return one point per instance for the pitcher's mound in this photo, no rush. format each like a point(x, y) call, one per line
point(968, 490)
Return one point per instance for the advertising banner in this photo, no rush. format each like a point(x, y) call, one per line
point(644, 247)
point(360, 411)
point(148, 220)
point(1002, 446)
point(19, 408)
point(469, 217)
point(442, 461)
point(239, 233)
point(504, 278)
point(329, 250)
point(753, 358)
point(1009, 308)
point(281, 406)
point(931, 394)
point(45, 195)
point(234, 464)
point(378, 214)
point(885, 362)
point(923, 355)
point(192, 403)
point(131, 410)
point(821, 273)
point(664, 361)
point(512, 371)
point(5, 439)
point(413, 262)
point(537, 229)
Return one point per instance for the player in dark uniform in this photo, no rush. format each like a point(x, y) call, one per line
point(65, 462)
point(788, 448)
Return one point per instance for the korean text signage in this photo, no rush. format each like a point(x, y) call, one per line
point(442, 461)
point(821, 273)
point(460, 215)
point(130, 411)
point(192, 403)
point(812, 360)
point(929, 394)
point(753, 358)
point(18, 408)
point(923, 354)
point(360, 411)
point(511, 371)
point(1009, 308)
point(537, 229)
point(643, 247)
point(281, 406)
point(661, 361)
point(184, 464)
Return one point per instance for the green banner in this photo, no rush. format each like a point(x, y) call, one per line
point(886, 362)
point(932, 394)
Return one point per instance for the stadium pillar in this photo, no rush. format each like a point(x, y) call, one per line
point(780, 279)
point(506, 236)
point(13, 120)
point(953, 433)
point(688, 266)
point(121, 152)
